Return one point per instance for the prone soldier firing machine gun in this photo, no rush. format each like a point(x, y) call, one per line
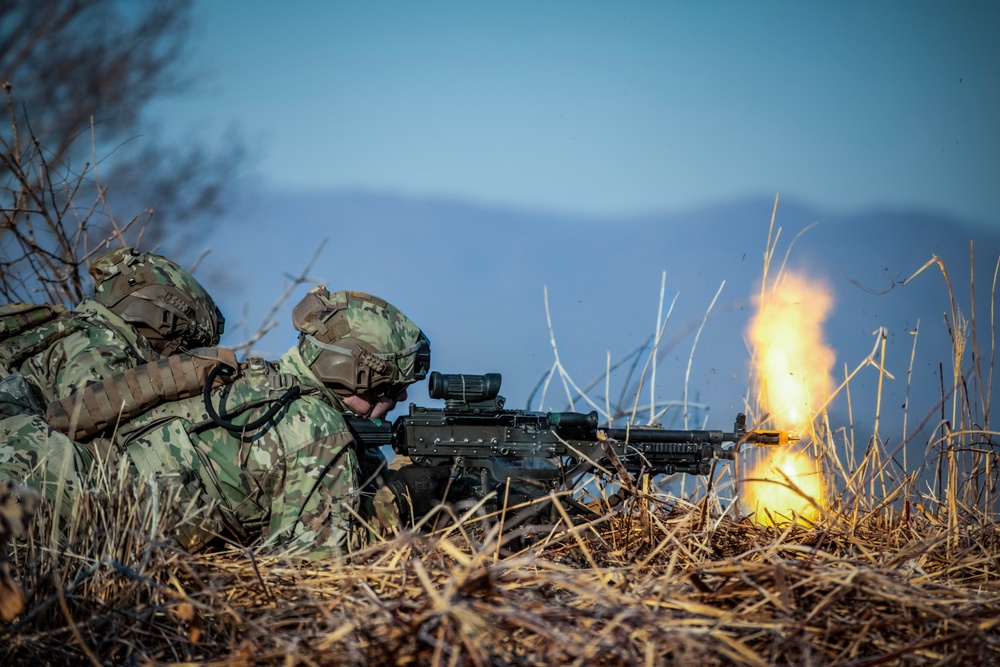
point(474, 439)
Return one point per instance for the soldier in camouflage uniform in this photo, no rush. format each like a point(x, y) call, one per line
point(145, 306)
point(270, 448)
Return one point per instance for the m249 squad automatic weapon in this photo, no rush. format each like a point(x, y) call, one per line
point(474, 438)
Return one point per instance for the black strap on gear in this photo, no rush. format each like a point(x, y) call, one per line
point(279, 403)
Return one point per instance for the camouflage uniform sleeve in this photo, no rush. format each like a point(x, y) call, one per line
point(33, 453)
point(75, 361)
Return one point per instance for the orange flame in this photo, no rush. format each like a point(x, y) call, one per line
point(793, 360)
point(780, 483)
point(792, 373)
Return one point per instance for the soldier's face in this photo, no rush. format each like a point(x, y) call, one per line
point(386, 404)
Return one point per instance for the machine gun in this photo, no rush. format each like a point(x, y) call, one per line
point(481, 442)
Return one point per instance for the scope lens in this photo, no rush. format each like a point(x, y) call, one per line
point(461, 387)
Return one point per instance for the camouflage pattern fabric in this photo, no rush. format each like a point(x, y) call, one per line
point(378, 506)
point(358, 342)
point(86, 346)
point(18, 316)
point(293, 363)
point(292, 483)
point(295, 482)
point(39, 457)
point(48, 361)
point(331, 316)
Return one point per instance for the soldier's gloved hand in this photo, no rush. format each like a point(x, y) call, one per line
point(418, 489)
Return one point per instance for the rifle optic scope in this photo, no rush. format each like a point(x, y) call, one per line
point(461, 387)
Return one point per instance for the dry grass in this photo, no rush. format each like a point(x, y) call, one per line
point(645, 585)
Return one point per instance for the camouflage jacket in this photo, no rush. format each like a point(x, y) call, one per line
point(56, 358)
point(293, 481)
point(372, 462)
point(61, 356)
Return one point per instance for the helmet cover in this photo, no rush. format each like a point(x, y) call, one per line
point(154, 293)
point(357, 343)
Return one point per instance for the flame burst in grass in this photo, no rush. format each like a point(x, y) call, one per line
point(791, 373)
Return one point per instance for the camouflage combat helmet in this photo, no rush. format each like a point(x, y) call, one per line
point(358, 344)
point(158, 297)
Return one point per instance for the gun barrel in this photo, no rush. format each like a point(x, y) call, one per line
point(642, 435)
point(572, 420)
point(369, 433)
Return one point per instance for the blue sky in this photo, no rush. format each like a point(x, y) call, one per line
point(601, 109)
point(478, 118)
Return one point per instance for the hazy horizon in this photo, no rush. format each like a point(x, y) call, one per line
point(475, 279)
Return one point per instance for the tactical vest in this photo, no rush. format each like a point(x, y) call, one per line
point(259, 384)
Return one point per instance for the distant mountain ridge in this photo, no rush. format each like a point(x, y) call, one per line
point(473, 276)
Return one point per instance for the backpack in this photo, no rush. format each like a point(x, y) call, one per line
point(20, 318)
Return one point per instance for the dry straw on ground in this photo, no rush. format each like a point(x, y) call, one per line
point(656, 582)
